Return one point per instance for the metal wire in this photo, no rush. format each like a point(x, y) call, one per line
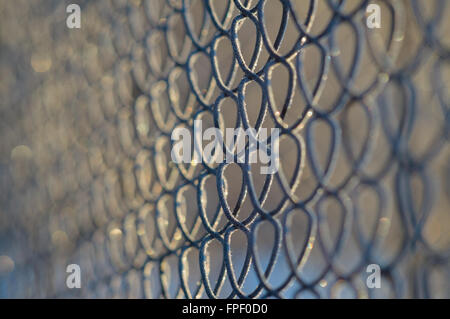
point(86, 175)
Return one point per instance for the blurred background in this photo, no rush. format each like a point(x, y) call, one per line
point(86, 176)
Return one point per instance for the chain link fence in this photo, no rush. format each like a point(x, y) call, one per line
point(86, 175)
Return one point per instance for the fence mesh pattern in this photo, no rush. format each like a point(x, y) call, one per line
point(86, 175)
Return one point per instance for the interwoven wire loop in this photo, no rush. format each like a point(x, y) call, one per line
point(87, 177)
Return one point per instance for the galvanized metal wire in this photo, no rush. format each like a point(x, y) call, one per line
point(86, 175)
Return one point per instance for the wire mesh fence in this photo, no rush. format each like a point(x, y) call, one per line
point(86, 175)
